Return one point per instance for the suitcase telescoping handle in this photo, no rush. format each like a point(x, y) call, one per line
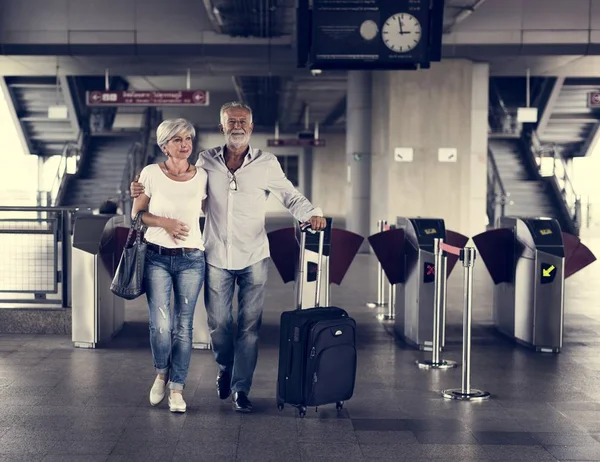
point(303, 230)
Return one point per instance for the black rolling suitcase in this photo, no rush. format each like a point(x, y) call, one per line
point(317, 353)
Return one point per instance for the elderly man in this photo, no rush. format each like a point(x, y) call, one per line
point(240, 179)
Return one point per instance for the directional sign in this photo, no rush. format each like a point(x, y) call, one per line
point(403, 154)
point(147, 98)
point(548, 273)
point(296, 142)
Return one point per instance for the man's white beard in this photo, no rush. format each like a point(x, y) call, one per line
point(237, 141)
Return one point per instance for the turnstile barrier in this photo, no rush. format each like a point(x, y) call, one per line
point(97, 313)
point(528, 260)
point(407, 257)
point(339, 249)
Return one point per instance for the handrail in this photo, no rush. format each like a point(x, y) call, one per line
point(69, 151)
point(558, 172)
point(28, 208)
point(496, 173)
point(497, 197)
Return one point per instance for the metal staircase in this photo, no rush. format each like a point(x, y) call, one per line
point(567, 122)
point(100, 175)
point(527, 179)
point(31, 98)
point(527, 170)
point(527, 195)
point(111, 161)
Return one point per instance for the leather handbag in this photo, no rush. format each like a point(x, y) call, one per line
point(128, 282)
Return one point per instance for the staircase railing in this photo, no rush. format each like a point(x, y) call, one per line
point(497, 196)
point(552, 165)
point(70, 160)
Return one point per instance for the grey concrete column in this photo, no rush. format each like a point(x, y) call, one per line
point(358, 153)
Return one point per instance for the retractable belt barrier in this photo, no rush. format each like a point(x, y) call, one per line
point(465, 393)
point(406, 254)
point(439, 305)
point(467, 256)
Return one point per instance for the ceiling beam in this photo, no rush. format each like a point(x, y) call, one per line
point(336, 112)
point(465, 12)
point(213, 16)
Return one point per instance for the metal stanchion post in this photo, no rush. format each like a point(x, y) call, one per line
point(391, 303)
point(438, 300)
point(444, 301)
point(66, 269)
point(380, 276)
point(391, 312)
point(466, 393)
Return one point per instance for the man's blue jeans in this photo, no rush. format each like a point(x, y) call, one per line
point(171, 330)
point(239, 358)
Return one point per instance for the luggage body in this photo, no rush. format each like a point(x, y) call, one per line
point(317, 352)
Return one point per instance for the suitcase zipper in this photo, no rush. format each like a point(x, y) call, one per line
point(311, 392)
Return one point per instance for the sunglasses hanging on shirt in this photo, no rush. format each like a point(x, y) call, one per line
point(232, 182)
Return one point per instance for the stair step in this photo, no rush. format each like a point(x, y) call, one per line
point(101, 178)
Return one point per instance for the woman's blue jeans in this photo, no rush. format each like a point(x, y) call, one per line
point(171, 329)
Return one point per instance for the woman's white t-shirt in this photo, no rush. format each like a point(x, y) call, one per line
point(181, 200)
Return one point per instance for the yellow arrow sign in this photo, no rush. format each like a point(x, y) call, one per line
point(548, 271)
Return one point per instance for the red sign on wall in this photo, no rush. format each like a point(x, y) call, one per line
point(147, 98)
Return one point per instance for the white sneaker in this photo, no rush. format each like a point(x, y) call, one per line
point(176, 402)
point(157, 393)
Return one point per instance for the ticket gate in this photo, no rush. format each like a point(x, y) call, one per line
point(97, 314)
point(528, 260)
point(406, 256)
point(339, 249)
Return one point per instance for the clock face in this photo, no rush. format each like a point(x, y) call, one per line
point(401, 32)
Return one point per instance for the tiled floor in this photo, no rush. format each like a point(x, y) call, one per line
point(61, 403)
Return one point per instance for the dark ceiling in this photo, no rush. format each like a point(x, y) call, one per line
point(285, 99)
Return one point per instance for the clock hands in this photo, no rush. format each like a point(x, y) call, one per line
point(400, 25)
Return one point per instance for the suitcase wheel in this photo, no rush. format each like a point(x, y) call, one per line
point(302, 411)
point(280, 407)
point(339, 405)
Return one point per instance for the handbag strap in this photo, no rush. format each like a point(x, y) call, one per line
point(136, 225)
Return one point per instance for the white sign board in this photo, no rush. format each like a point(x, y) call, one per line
point(403, 154)
point(447, 154)
point(58, 112)
point(527, 114)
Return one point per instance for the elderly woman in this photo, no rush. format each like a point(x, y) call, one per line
point(172, 199)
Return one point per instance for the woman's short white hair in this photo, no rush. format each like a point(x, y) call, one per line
point(170, 128)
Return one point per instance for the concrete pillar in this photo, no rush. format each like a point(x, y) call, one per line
point(441, 107)
point(358, 153)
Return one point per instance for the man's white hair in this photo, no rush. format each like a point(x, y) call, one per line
point(170, 128)
point(234, 105)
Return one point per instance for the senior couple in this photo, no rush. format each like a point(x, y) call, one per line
point(230, 184)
